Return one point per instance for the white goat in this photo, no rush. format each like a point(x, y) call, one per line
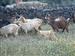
point(24, 20)
point(49, 34)
point(9, 29)
point(25, 26)
point(36, 22)
point(33, 24)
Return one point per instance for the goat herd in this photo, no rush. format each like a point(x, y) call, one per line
point(35, 24)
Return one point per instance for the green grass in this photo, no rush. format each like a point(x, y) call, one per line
point(35, 45)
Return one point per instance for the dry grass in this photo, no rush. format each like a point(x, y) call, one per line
point(35, 45)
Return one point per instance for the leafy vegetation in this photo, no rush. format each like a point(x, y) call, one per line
point(50, 2)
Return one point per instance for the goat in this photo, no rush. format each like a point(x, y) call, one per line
point(34, 24)
point(59, 23)
point(50, 34)
point(9, 29)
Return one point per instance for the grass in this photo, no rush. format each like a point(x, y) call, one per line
point(35, 45)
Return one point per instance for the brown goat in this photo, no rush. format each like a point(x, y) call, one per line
point(58, 23)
